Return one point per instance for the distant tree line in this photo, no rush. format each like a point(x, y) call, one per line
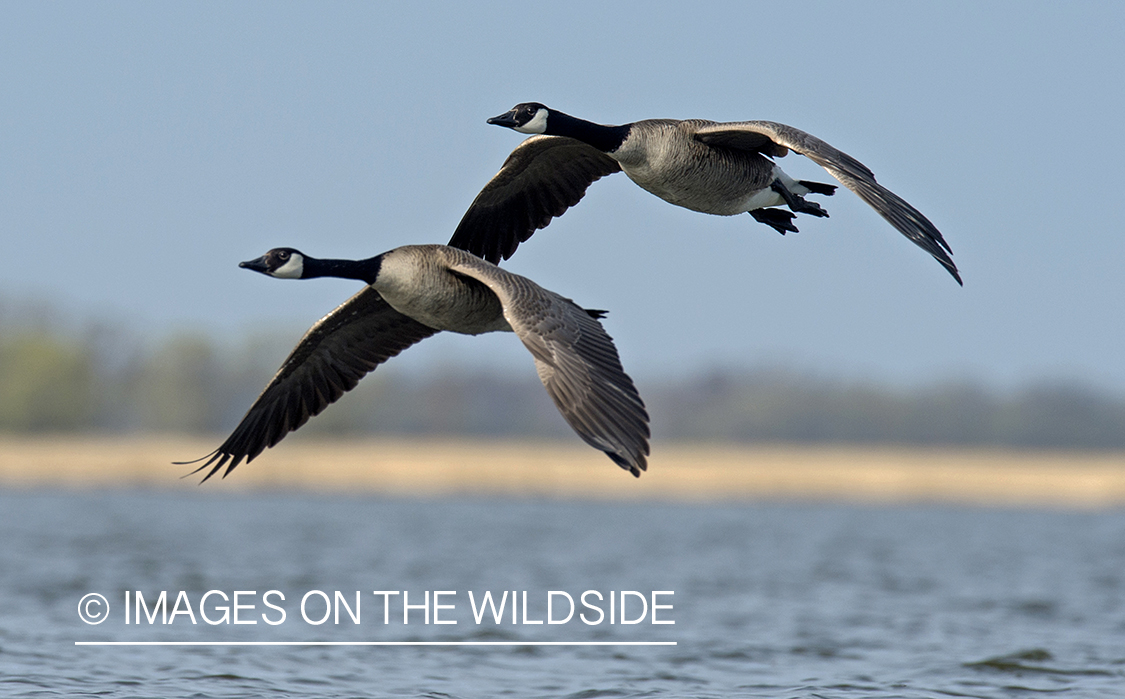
point(789, 406)
point(103, 380)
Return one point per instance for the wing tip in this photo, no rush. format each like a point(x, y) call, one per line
point(634, 464)
point(216, 460)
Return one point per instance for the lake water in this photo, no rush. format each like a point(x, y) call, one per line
point(768, 600)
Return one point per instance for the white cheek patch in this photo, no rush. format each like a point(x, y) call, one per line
point(292, 269)
point(538, 123)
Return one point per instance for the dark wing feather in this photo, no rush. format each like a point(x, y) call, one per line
point(542, 178)
point(579, 366)
point(577, 363)
point(755, 135)
point(336, 352)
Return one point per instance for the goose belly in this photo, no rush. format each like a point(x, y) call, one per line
point(465, 313)
point(708, 184)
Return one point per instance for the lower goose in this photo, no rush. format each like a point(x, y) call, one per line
point(417, 291)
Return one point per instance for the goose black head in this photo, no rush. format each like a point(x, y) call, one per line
point(528, 117)
point(283, 263)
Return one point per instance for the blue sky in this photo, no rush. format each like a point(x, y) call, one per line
point(147, 148)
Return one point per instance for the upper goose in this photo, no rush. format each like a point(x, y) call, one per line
point(414, 292)
point(706, 166)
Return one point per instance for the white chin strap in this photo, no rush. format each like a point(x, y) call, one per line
point(538, 123)
point(291, 269)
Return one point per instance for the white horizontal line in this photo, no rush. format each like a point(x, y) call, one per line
point(375, 643)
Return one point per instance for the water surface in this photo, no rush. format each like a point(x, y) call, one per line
point(770, 600)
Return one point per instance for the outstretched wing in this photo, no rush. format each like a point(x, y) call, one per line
point(772, 138)
point(576, 360)
point(542, 178)
point(330, 359)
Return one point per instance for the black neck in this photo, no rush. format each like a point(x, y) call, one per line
point(364, 270)
point(605, 138)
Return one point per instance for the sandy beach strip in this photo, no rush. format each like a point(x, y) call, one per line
point(677, 472)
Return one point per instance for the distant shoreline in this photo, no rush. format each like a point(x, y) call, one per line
point(677, 471)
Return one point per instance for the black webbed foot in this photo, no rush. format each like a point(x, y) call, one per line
point(778, 219)
point(796, 202)
point(818, 187)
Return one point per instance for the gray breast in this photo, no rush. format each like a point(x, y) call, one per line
point(417, 282)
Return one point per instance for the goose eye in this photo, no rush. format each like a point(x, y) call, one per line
point(283, 255)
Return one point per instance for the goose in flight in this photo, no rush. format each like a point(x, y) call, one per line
point(414, 292)
point(711, 167)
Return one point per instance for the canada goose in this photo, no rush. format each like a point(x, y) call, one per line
point(414, 292)
point(706, 166)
